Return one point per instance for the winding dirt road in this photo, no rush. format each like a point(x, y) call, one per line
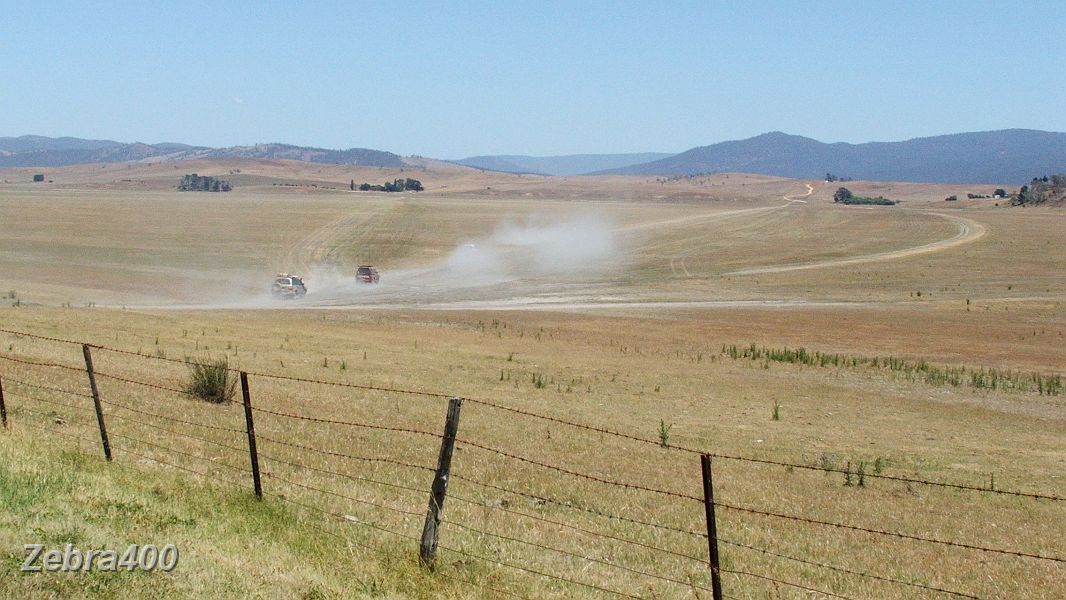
point(969, 231)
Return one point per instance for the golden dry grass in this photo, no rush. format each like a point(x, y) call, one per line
point(627, 368)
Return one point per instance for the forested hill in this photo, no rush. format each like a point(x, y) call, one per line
point(1007, 156)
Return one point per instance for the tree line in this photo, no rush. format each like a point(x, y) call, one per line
point(844, 196)
point(196, 183)
point(396, 185)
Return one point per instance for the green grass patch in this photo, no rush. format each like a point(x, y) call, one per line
point(230, 544)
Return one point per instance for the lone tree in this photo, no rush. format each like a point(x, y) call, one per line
point(842, 195)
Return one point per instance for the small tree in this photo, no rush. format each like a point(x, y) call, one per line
point(39, 177)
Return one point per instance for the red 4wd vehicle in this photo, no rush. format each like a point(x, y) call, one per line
point(367, 274)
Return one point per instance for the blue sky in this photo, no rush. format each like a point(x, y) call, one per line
point(451, 80)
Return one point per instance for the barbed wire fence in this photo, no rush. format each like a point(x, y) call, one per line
point(561, 521)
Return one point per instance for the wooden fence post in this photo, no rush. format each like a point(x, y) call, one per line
point(712, 529)
point(250, 427)
point(3, 407)
point(427, 551)
point(96, 400)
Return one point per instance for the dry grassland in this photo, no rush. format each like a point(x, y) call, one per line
point(637, 366)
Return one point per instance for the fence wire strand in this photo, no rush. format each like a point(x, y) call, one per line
point(45, 387)
point(347, 423)
point(297, 465)
point(882, 532)
point(570, 505)
point(389, 461)
point(588, 532)
point(168, 418)
point(849, 571)
point(572, 554)
point(785, 583)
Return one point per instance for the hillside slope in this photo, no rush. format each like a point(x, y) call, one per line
point(574, 164)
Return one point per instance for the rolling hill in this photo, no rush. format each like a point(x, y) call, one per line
point(39, 151)
point(1006, 156)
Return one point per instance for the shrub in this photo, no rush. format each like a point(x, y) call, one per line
point(212, 381)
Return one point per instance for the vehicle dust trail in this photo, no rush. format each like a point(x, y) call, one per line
point(539, 252)
point(969, 231)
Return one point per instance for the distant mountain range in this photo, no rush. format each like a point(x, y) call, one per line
point(574, 164)
point(38, 151)
point(1007, 156)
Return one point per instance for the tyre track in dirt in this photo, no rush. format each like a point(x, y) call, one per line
point(677, 263)
point(317, 247)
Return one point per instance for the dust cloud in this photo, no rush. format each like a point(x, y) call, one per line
point(586, 243)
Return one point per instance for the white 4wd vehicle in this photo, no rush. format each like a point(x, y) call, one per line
point(288, 286)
